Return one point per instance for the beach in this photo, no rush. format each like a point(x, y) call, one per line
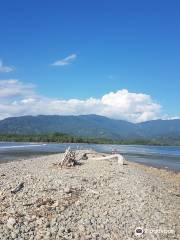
point(98, 199)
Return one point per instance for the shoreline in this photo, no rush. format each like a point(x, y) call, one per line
point(36, 155)
point(161, 168)
point(121, 144)
point(132, 163)
point(94, 200)
point(159, 157)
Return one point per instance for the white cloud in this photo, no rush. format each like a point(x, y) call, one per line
point(5, 69)
point(166, 117)
point(66, 61)
point(14, 88)
point(18, 98)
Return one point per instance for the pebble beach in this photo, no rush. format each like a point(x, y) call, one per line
point(97, 199)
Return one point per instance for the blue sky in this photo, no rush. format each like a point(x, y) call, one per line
point(133, 45)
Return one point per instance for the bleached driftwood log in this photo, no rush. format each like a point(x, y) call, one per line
point(120, 159)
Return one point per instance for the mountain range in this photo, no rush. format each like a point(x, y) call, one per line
point(91, 126)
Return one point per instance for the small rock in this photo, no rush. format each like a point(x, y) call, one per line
point(11, 223)
point(39, 221)
point(53, 221)
point(48, 235)
point(117, 192)
point(54, 230)
point(47, 225)
point(14, 235)
point(105, 213)
point(77, 203)
point(67, 190)
point(81, 228)
point(55, 204)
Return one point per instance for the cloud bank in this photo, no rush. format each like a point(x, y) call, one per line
point(5, 69)
point(66, 61)
point(18, 99)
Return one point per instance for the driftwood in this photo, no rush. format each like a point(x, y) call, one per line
point(73, 157)
point(17, 188)
point(84, 156)
point(81, 155)
point(120, 159)
point(41, 202)
point(69, 158)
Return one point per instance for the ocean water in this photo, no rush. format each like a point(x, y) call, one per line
point(157, 156)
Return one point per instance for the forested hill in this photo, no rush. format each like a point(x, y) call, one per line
point(92, 126)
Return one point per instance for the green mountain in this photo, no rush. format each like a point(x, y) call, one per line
point(91, 126)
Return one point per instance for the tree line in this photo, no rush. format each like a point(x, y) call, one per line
point(66, 138)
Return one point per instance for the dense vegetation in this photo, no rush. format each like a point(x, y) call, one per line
point(65, 138)
point(53, 137)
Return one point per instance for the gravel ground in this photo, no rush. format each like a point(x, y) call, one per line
point(98, 199)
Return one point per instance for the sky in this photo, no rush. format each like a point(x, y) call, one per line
point(120, 59)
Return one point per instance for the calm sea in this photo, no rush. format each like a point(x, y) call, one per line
point(161, 157)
